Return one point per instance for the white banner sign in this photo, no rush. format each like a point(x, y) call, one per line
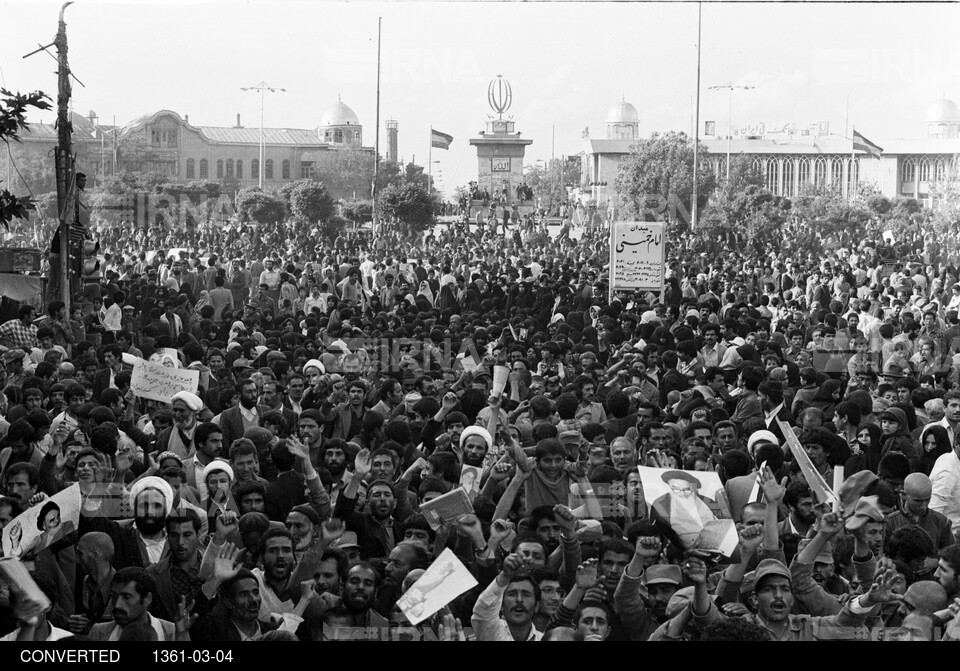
point(160, 383)
point(637, 256)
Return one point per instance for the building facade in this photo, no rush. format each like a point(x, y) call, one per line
point(167, 143)
point(792, 157)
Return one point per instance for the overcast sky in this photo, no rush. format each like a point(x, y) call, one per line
point(567, 63)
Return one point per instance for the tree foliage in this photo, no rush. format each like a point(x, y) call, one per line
point(359, 211)
point(347, 173)
point(408, 204)
point(310, 202)
point(655, 181)
point(255, 205)
point(13, 120)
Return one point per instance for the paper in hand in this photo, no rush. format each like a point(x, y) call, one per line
point(443, 581)
point(447, 508)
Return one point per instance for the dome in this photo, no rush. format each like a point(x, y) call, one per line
point(339, 115)
point(623, 112)
point(943, 111)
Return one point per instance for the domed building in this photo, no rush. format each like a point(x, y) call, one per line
point(623, 122)
point(339, 125)
point(943, 119)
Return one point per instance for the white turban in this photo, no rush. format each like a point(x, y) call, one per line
point(158, 484)
point(476, 431)
point(213, 467)
point(314, 363)
point(191, 400)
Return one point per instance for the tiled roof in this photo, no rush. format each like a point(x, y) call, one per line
point(271, 136)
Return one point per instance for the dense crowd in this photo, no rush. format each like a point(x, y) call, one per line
point(342, 386)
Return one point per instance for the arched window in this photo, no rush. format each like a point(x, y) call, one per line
point(773, 175)
point(854, 174)
point(255, 168)
point(721, 168)
point(338, 136)
point(909, 171)
point(787, 176)
point(268, 168)
point(939, 169)
point(286, 170)
point(239, 169)
point(820, 173)
point(204, 169)
point(924, 172)
point(190, 168)
point(229, 167)
point(220, 169)
point(836, 172)
point(757, 166)
point(803, 172)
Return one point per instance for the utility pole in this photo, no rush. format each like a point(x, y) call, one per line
point(262, 88)
point(696, 129)
point(64, 157)
point(376, 149)
point(730, 86)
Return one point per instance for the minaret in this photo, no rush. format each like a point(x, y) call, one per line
point(392, 129)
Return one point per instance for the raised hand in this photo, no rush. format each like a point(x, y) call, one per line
point(773, 491)
point(881, 591)
point(499, 530)
point(566, 519)
point(577, 469)
point(695, 570)
point(37, 498)
point(596, 593)
point(734, 609)
point(449, 401)
point(512, 564)
point(750, 539)
point(331, 530)
point(500, 471)
point(648, 547)
point(363, 464)
point(470, 525)
point(185, 615)
point(227, 562)
point(451, 629)
point(298, 449)
point(830, 524)
point(587, 574)
point(227, 524)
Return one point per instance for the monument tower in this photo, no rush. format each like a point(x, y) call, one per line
point(500, 149)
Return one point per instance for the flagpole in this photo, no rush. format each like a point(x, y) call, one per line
point(696, 129)
point(430, 160)
point(376, 152)
point(850, 169)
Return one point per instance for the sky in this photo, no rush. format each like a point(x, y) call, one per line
point(876, 66)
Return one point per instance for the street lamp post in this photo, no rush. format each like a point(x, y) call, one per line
point(262, 88)
point(730, 86)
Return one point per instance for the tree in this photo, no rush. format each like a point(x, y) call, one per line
point(347, 173)
point(655, 181)
point(409, 204)
point(359, 211)
point(13, 109)
point(413, 174)
point(388, 173)
point(310, 202)
point(254, 204)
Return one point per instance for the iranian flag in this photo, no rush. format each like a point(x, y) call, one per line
point(865, 145)
point(440, 140)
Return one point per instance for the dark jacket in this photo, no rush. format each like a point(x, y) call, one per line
point(287, 491)
point(371, 534)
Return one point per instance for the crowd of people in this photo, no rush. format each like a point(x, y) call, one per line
point(344, 385)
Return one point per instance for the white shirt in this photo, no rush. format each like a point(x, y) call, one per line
point(945, 478)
